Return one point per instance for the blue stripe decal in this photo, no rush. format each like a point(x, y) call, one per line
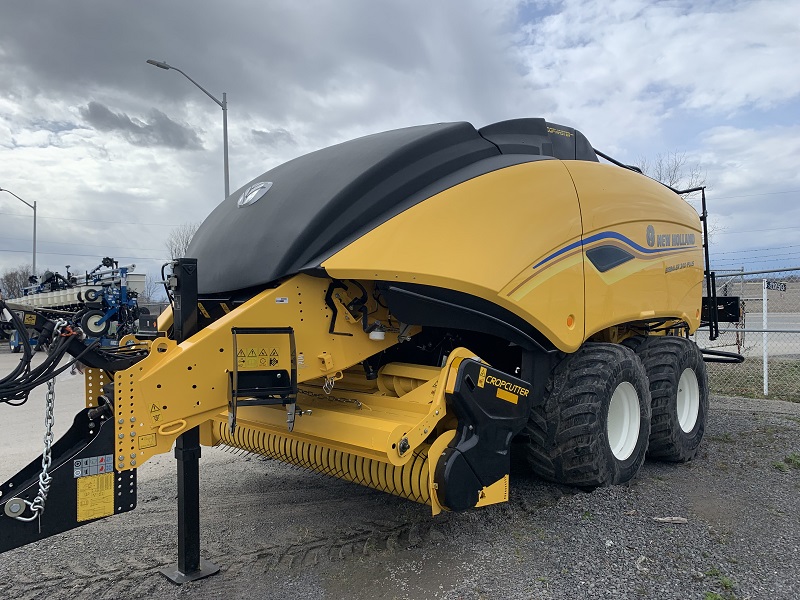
point(606, 235)
point(558, 253)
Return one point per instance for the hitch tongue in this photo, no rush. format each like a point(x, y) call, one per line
point(81, 480)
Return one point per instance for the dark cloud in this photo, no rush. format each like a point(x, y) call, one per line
point(160, 131)
point(273, 137)
point(332, 66)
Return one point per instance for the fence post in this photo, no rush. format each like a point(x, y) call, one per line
point(764, 336)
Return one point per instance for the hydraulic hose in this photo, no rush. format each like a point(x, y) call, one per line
point(15, 387)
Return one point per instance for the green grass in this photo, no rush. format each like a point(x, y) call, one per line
point(793, 460)
point(747, 380)
point(780, 466)
point(726, 583)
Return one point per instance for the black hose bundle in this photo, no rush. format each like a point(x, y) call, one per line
point(15, 387)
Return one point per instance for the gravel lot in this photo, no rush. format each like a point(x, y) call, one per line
point(281, 532)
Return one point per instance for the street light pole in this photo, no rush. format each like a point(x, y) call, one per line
point(33, 206)
point(223, 104)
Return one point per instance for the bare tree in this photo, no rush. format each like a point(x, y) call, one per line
point(14, 280)
point(179, 238)
point(675, 170)
point(153, 292)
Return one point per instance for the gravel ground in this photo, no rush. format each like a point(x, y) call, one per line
point(281, 532)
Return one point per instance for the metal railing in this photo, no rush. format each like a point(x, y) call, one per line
point(767, 334)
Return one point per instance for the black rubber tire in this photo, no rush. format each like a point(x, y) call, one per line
point(91, 295)
point(89, 327)
point(665, 358)
point(568, 432)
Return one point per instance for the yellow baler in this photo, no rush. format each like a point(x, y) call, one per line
point(396, 309)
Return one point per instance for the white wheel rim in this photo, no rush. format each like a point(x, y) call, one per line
point(623, 421)
point(688, 400)
point(92, 324)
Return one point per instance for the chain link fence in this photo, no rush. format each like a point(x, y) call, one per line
point(767, 334)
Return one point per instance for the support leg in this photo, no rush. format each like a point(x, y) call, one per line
point(190, 566)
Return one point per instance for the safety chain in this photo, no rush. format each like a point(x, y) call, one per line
point(37, 506)
point(328, 397)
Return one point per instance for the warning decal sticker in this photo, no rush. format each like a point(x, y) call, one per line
point(482, 377)
point(262, 351)
point(93, 465)
point(95, 497)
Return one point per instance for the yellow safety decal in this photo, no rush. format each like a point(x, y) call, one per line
point(95, 496)
point(225, 307)
point(147, 441)
point(203, 310)
point(262, 352)
point(30, 319)
point(482, 377)
point(258, 357)
point(507, 396)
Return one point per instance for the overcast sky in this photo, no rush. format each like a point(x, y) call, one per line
point(117, 152)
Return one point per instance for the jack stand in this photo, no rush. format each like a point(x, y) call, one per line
point(190, 566)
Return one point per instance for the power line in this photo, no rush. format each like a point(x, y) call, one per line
point(760, 257)
point(92, 220)
point(757, 195)
point(84, 245)
point(754, 230)
point(755, 250)
point(65, 254)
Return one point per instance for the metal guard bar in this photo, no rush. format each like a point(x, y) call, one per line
point(719, 356)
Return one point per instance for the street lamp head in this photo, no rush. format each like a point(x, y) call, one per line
point(158, 63)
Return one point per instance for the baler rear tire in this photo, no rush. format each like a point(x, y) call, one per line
point(574, 437)
point(679, 389)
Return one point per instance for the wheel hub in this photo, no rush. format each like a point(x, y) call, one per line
point(623, 421)
point(688, 404)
